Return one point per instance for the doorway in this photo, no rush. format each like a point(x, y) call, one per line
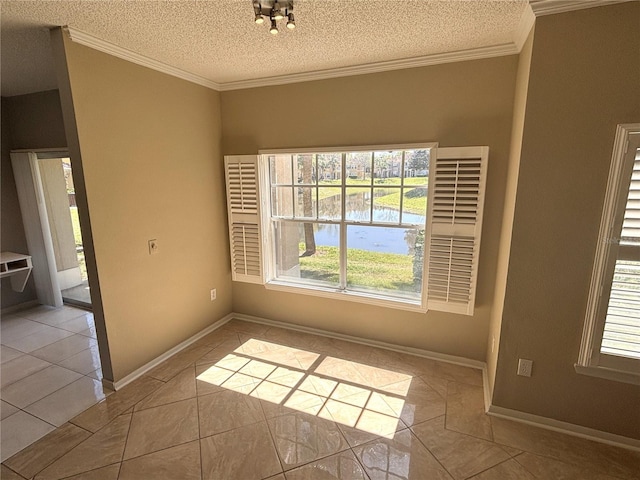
point(50, 214)
point(80, 293)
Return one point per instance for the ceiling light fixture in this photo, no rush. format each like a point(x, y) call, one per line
point(274, 27)
point(275, 10)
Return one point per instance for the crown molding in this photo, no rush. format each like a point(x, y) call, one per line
point(521, 33)
point(89, 40)
point(513, 48)
point(551, 7)
point(427, 60)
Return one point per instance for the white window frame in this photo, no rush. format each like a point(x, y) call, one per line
point(590, 360)
point(457, 180)
point(272, 283)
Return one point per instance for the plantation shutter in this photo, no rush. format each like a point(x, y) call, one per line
point(454, 224)
point(621, 334)
point(243, 209)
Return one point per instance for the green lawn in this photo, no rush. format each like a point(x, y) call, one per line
point(366, 269)
point(77, 235)
point(377, 181)
point(412, 205)
point(416, 205)
point(75, 222)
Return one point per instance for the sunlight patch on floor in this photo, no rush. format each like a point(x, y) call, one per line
point(360, 396)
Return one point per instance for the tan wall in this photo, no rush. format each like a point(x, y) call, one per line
point(522, 83)
point(468, 103)
point(585, 78)
point(28, 121)
point(151, 166)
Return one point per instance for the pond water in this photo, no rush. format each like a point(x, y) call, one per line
point(365, 237)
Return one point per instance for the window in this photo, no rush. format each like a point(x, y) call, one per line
point(395, 225)
point(351, 221)
point(611, 338)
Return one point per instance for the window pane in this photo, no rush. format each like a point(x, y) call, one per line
point(385, 260)
point(280, 169)
point(358, 204)
point(329, 168)
point(330, 204)
point(308, 252)
point(282, 201)
point(359, 168)
point(306, 202)
point(388, 165)
point(306, 169)
point(386, 205)
point(414, 205)
point(622, 325)
point(416, 166)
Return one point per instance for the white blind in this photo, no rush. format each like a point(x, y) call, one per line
point(243, 208)
point(454, 227)
point(631, 224)
point(622, 324)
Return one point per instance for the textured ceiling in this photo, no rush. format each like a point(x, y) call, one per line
point(219, 41)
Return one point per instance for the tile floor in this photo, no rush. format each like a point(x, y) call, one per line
point(50, 372)
point(254, 402)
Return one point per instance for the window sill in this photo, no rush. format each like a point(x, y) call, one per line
point(368, 298)
point(608, 373)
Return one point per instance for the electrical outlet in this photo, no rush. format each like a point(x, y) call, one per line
point(153, 246)
point(213, 294)
point(524, 367)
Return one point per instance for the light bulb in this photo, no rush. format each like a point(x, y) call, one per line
point(259, 19)
point(274, 29)
point(291, 24)
point(277, 14)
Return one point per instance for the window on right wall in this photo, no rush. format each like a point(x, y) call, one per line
point(611, 338)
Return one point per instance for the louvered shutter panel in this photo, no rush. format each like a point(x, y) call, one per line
point(456, 198)
point(243, 209)
point(621, 334)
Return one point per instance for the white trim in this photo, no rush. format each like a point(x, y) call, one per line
point(353, 148)
point(442, 357)
point(415, 62)
point(551, 7)
point(608, 373)
point(527, 20)
point(488, 394)
point(19, 307)
point(96, 43)
point(169, 353)
point(589, 355)
point(493, 410)
point(566, 428)
point(349, 295)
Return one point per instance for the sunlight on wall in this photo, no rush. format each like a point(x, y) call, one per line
point(353, 394)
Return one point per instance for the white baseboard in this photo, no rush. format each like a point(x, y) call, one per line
point(169, 353)
point(19, 306)
point(493, 410)
point(565, 427)
point(465, 362)
point(486, 389)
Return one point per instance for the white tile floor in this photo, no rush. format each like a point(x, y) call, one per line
point(50, 372)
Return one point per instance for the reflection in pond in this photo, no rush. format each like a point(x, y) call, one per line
point(358, 208)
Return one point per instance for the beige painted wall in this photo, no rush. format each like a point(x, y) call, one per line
point(150, 162)
point(585, 79)
point(522, 83)
point(28, 121)
point(467, 103)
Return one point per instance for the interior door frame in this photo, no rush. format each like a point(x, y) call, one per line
point(36, 222)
